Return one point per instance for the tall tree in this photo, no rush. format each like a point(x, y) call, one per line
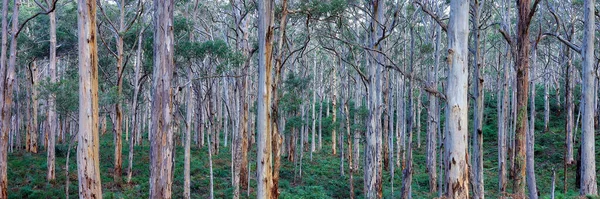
point(456, 144)
point(119, 31)
point(7, 78)
point(88, 156)
point(373, 148)
point(477, 156)
point(264, 136)
point(161, 134)
point(52, 116)
point(589, 186)
point(526, 12)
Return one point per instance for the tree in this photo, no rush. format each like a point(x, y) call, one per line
point(119, 31)
point(526, 12)
point(52, 117)
point(477, 161)
point(88, 157)
point(161, 134)
point(373, 148)
point(457, 178)
point(264, 136)
point(589, 186)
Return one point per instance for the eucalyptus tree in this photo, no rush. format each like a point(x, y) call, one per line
point(265, 46)
point(161, 136)
point(456, 144)
point(88, 156)
point(589, 185)
point(119, 30)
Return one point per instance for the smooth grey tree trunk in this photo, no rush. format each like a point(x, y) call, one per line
point(477, 136)
point(433, 115)
point(589, 185)
point(531, 182)
point(456, 144)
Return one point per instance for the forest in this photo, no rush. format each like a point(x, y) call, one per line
point(445, 99)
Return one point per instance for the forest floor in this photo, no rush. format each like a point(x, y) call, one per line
point(321, 178)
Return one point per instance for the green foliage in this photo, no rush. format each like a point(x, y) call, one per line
point(65, 92)
point(187, 50)
point(323, 9)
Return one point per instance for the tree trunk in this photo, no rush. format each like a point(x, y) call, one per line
point(531, 182)
point(433, 117)
point(4, 114)
point(135, 131)
point(33, 131)
point(264, 139)
point(456, 144)
point(373, 149)
point(161, 136)
point(314, 103)
point(240, 178)
point(8, 79)
point(588, 161)
point(334, 110)
point(525, 13)
point(408, 166)
point(188, 136)
point(118, 125)
point(477, 136)
point(546, 98)
point(52, 117)
point(88, 157)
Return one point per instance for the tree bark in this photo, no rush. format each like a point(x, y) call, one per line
point(531, 182)
point(373, 149)
point(188, 136)
point(433, 117)
point(477, 136)
point(137, 85)
point(525, 13)
point(264, 139)
point(52, 117)
point(588, 161)
point(334, 110)
point(88, 157)
point(456, 144)
point(161, 136)
point(34, 129)
point(8, 78)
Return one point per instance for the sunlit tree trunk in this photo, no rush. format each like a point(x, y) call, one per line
point(161, 136)
point(88, 156)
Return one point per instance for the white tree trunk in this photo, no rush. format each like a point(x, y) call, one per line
point(588, 160)
point(456, 145)
point(88, 157)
